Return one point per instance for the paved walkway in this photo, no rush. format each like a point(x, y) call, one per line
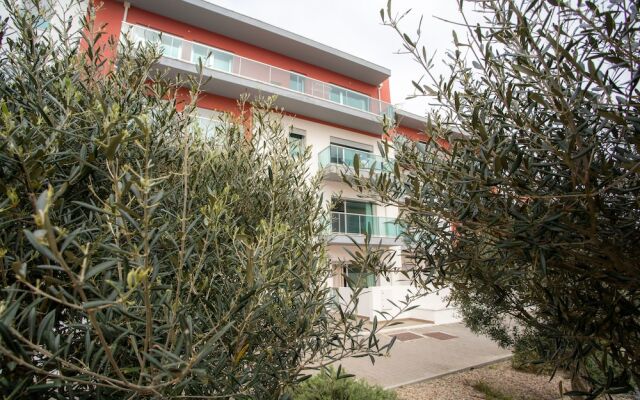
point(425, 353)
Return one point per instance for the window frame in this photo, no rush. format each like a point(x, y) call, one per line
point(299, 135)
point(300, 81)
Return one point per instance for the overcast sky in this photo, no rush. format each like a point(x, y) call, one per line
point(354, 26)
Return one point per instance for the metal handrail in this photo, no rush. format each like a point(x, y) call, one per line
point(340, 155)
point(265, 73)
point(360, 224)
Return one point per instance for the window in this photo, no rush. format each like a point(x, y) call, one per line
point(296, 82)
point(222, 61)
point(353, 207)
point(171, 46)
point(42, 23)
point(207, 126)
point(349, 98)
point(202, 53)
point(359, 278)
point(344, 154)
point(140, 35)
point(212, 58)
point(353, 217)
point(42, 12)
point(338, 95)
point(357, 100)
point(296, 142)
point(208, 122)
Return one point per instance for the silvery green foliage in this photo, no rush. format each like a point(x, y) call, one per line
point(141, 258)
point(525, 201)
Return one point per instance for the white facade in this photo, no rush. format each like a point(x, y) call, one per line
point(377, 300)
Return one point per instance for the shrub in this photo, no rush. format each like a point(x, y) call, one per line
point(525, 202)
point(138, 257)
point(331, 385)
point(490, 392)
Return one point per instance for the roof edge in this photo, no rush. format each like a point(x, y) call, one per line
point(180, 9)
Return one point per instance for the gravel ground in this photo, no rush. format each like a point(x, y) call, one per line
point(518, 385)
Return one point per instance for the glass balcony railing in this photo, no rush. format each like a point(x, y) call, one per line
point(339, 155)
point(220, 60)
point(360, 224)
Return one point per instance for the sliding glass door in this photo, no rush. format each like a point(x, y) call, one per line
point(355, 217)
point(212, 58)
point(349, 98)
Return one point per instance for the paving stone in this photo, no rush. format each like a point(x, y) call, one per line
point(416, 360)
point(438, 335)
point(405, 336)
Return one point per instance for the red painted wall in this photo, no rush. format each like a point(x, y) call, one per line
point(109, 16)
point(385, 91)
point(411, 133)
point(208, 101)
point(422, 136)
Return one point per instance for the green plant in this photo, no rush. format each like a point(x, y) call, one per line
point(334, 385)
point(525, 202)
point(490, 392)
point(138, 257)
point(528, 356)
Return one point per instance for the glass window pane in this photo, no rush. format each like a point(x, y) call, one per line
point(296, 144)
point(348, 155)
point(337, 222)
point(358, 207)
point(41, 22)
point(360, 278)
point(222, 61)
point(357, 101)
point(353, 224)
point(150, 36)
point(203, 53)
point(338, 206)
point(210, 122)
point(337, 154)
point(171, 46)
point(136, 34)
point(337, 95)
point(296, 82)
point(208, 126)
point(371, 280)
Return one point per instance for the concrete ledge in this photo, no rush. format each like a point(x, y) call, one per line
point(442, 375)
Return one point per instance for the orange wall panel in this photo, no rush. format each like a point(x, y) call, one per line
point(109, 14)
point(411, 133)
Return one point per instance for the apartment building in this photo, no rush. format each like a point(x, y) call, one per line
point(334, 103)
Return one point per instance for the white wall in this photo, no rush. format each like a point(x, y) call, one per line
point(377, 302)
point(318, 137)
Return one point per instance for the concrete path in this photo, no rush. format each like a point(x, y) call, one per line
point(418, 356)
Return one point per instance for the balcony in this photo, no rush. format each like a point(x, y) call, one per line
point(334, 158)
point(347, 227)
point(360, 224)
point(235, 75)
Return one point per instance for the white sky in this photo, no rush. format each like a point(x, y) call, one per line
point(354, 26)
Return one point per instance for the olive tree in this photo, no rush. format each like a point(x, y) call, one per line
point(525, 200)
point(141, 257)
